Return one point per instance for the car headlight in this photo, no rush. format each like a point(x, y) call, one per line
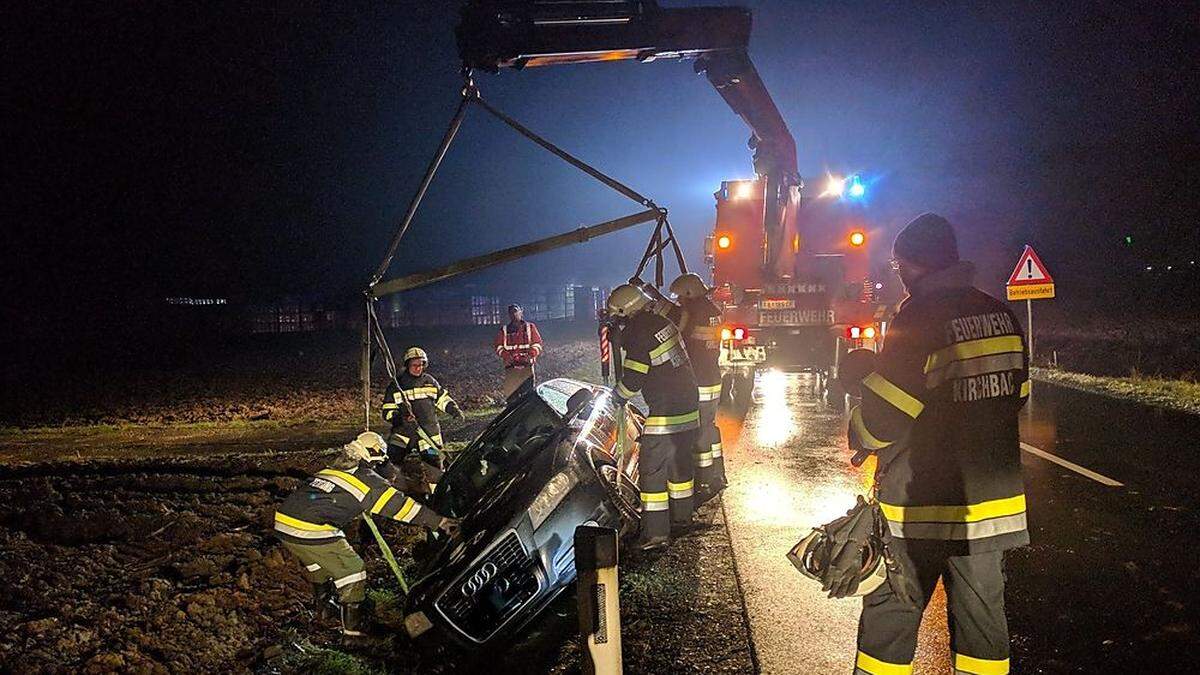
point(551, 495)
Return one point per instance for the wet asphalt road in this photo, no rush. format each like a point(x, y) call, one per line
point(1110, 584)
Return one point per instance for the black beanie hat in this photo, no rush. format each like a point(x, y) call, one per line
point(927, 241)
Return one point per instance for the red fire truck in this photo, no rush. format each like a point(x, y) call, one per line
point(795, 302)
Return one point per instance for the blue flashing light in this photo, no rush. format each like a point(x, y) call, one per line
point(856, 189)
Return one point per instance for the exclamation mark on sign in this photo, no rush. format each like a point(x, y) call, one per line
point(1029, 263)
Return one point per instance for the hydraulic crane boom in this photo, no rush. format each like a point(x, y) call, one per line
point(495, 34)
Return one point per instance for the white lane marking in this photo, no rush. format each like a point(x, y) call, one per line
point(1099, 478)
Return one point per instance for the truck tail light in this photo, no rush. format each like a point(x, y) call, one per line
point(739, 333)
point(861, 332)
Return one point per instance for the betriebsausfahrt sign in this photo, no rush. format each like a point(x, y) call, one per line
point(1030, 280)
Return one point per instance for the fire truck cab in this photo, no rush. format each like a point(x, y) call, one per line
point(798, 304)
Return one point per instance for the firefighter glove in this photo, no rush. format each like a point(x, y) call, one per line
point(451, 526)
point(848, 541)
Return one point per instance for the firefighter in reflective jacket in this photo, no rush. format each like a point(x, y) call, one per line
point(656, 363)
point(310, 522)
point(412, 411)
point(699, 320)
point(940, 413)
point(518, 344)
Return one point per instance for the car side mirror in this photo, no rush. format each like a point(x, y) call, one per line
point(575, 405)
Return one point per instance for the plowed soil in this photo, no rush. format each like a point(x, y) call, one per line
point(146, 546)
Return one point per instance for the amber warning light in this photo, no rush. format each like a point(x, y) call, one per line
point(724, 241)
point(857, 238)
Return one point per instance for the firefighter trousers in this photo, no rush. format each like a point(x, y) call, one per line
point(710, 462)
point(333, 561)
point(665, 480)
point(887, 630)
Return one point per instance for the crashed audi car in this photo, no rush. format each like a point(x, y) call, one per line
point(547, 464)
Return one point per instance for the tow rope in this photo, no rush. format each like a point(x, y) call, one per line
point(387, 552)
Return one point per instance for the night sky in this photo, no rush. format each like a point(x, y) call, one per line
point(233, 150)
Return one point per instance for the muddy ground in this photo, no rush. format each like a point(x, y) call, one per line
point(147, 547)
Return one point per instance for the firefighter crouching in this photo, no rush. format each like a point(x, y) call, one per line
point(310, 522)
point(940, 411)
point(699, 321)
point(412, 410)
point(656, 363)
point(518, 344)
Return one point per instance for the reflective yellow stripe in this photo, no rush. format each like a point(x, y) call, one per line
point(383, 500)
point(662, 348)
point(710, 389)
point(391, 406)
point(302, 525)
point(625, 392)
point(872, 665)
point(969, 513)
point(443, 400)
point(972, 349)
point(409, 503)
point(894, 395)
point(676, 487)
point(349, 478)
point(970, 664)
point(421, 392)
point(636, 365)
point(668, 420)
point(655, 501)
point(868, 440)
point(1024, 388)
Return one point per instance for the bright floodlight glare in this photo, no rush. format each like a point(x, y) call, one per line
point(857, 238)
point(835, 187)
point(743, 190)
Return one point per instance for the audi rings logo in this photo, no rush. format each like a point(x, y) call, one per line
point(482, 576)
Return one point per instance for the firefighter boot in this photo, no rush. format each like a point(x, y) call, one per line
point(325, 605)
point(354, 620)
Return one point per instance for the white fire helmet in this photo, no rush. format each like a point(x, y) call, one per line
point(415, 353)
point(368, 446)
point(689, 286)
point(626, 300)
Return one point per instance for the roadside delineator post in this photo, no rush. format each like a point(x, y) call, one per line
point(599, 599)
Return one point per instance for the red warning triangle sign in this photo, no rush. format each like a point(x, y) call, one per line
point(1029, 270)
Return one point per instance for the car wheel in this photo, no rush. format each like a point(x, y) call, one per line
point(622, 494)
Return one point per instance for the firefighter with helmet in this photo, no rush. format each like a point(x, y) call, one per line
point(412, 410)
point(940, 412)
point(310, 523)
point(699, 320)
point(656, 363)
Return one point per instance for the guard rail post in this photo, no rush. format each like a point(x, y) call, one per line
point(599, 599)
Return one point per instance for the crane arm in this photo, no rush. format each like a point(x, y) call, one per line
point(495, 34)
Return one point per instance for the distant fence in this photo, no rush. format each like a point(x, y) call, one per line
point(429, 307)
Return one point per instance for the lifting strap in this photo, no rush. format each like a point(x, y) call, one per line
point(655, 248)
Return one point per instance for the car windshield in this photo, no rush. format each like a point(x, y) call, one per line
point(509, 442)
